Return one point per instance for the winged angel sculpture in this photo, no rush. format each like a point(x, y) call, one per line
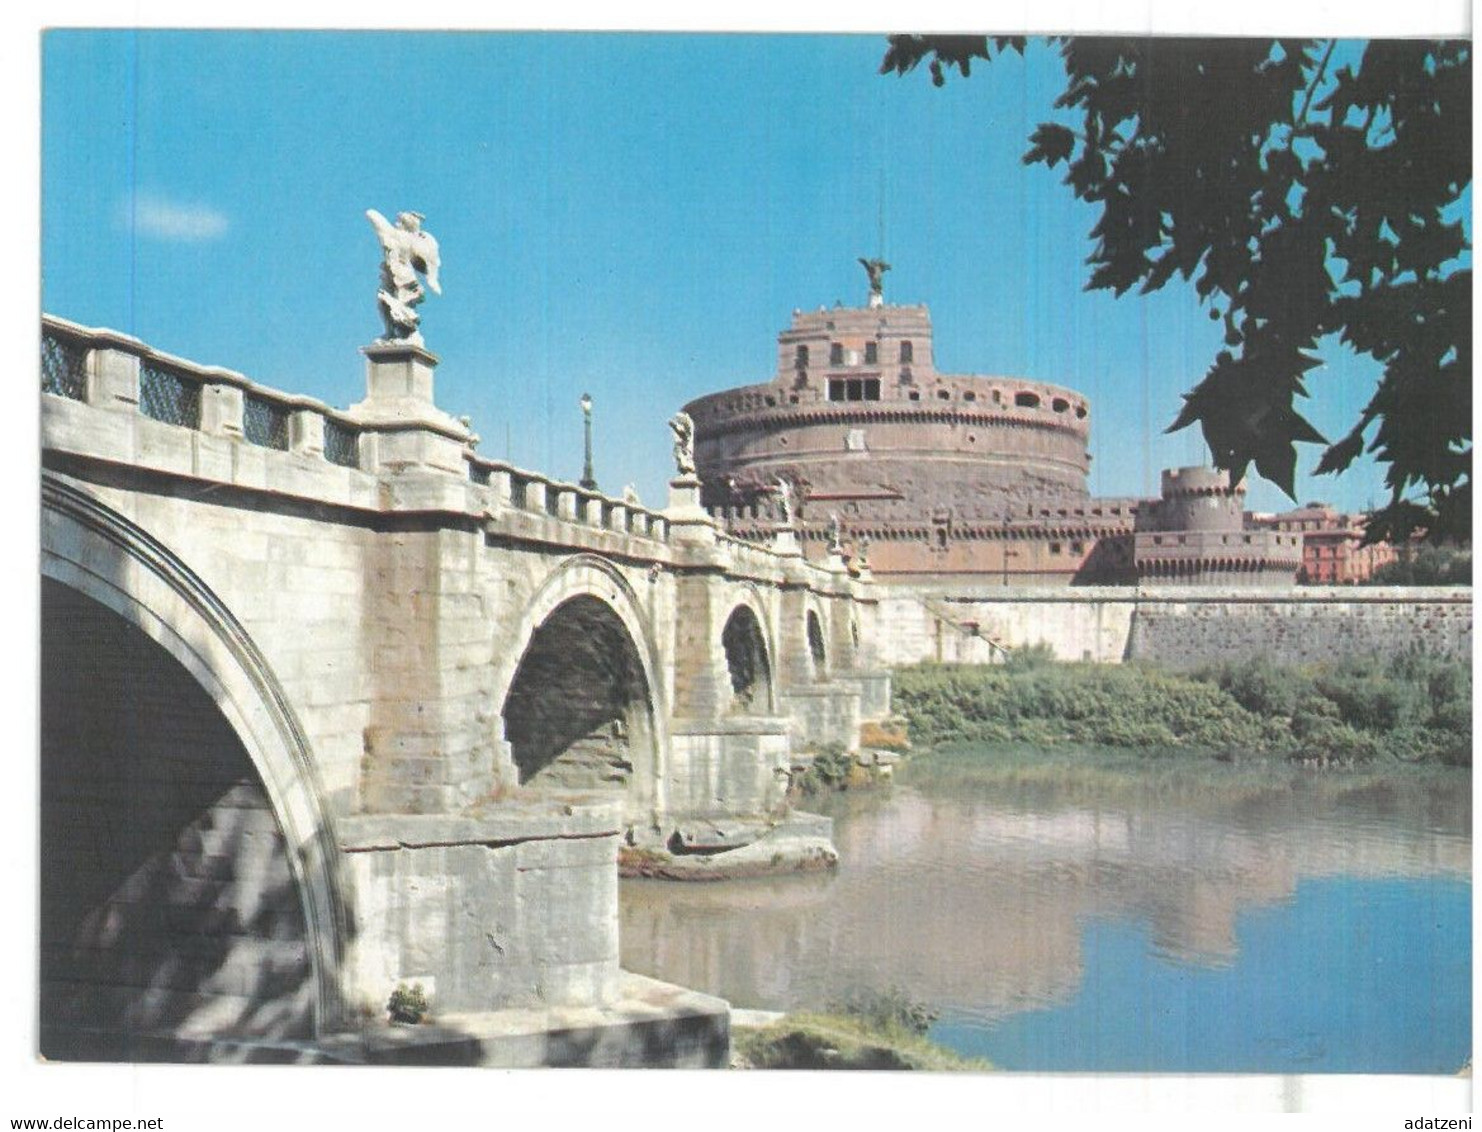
point(407, 250)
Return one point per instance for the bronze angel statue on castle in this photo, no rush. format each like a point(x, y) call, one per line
point(407, 250)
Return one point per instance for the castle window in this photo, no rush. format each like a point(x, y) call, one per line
point(854, 389)
point(907, 353)
point(943, 395)
point(1026, 400)
point(1060, 404)
point(1078, 548)
point(905, 377)
point(800, 359)
point(969, 396)
point(1080, 412)
point(997, 397)
point(914, 395)
point(872, 353)
point(836, 353)
point(1054, 548)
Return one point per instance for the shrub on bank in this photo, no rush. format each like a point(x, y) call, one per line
point(1413, 707)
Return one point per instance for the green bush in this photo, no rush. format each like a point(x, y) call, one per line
point(408, 1005)
point(1426, 566)
point(1413, 707)
point(887, 1010)
point(829, 770)
point(1259, 686)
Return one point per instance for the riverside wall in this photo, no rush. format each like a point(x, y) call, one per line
point(1179, 627)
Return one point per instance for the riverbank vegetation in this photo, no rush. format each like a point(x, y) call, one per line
point(1412, 708)
point(878, 1030)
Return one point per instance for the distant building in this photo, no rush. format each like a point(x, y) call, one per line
point(945, 476)
point(1197, 534)
point(1332, 554)
point(952, 479)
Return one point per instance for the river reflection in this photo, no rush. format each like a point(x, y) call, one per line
point(977, 899)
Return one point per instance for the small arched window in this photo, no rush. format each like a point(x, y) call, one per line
point(746, 660)
point(908, 351)
point(815, 646)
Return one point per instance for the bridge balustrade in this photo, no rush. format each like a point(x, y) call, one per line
point(110, 371)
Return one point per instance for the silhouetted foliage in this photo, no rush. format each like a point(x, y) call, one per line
point(1308, 189)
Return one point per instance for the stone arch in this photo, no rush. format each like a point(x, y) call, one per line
point(580, 702)
point(110, 574)
point(813, 635)
point(748, 658)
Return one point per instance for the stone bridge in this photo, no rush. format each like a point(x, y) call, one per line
point(331, 704)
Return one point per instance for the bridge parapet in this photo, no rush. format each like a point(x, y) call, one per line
point(117, 373)
point(174, 416)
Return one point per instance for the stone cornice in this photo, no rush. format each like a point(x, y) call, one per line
point(880, 412)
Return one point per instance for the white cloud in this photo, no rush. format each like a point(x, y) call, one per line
point(183, 223)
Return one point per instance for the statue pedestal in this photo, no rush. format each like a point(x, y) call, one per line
point(397, 371)
point(688, 521)
point(785, 541)
point(402, 428)
point(684, 499)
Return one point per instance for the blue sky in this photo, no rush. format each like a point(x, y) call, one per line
point(630, 215)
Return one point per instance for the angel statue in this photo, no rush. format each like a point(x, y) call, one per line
point(683, 429)
point(835, 534)
point(408, 250)
point(783, 491)
point(875, 269)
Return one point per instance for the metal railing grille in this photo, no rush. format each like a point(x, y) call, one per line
point(265, 423)
point(167, 396)
point(340, 445)
point(63, 367)
point(517, 492)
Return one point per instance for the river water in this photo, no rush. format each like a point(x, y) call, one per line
point(1088, 928)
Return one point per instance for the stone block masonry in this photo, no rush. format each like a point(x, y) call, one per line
point(1180, 627)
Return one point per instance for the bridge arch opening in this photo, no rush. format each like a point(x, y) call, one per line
point(746, 661)
point(169, 904)
point(816, 647)
point(579, 713)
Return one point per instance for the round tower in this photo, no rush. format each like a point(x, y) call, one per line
point(947, 477)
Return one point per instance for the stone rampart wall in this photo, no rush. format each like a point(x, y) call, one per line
point(1175, 627)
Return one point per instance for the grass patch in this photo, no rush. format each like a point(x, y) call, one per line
point(843, 1041)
